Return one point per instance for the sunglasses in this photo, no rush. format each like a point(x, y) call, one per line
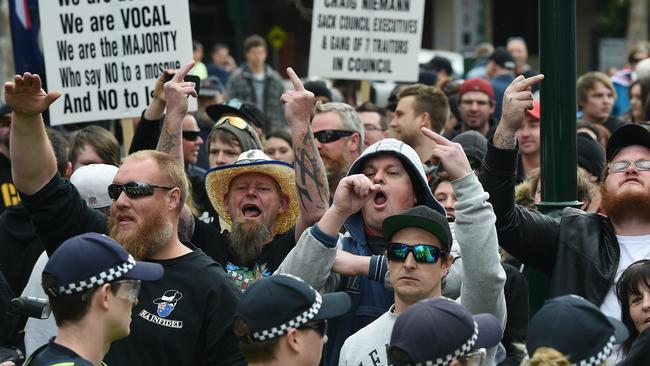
point(621, 166)
point(319, 326)
point(133, 189)
point(422, 253)
point(326, 136)
point(233, 121)
point(128, 289)
point(190, 135)
point(475, 358)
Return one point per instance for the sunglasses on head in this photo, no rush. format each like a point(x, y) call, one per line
point(233, 121)
point(422, 253)
point(190, 135)
point(319, 326)
point(326, 136)
point(621, 166)
point(132, 189)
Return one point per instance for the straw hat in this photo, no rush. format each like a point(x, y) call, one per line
point(217, 184)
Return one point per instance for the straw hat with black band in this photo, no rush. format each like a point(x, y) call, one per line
point(217, 184)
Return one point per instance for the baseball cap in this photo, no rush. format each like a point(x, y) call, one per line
point(273, 305)
point(627, 135)
point(591, 155)
point(536, 112)
point(474, 145)
point(90, 260)
point(577, 328)
point(421, 217)
point(92, 183)
point(236, 107)
point(438, 331)
point(319, 88)
point(502, 58)
point(477, 84)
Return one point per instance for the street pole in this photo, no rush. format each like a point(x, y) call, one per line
point(557, 51)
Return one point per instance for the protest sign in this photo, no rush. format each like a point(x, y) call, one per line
point(366, 39)
point(105, 55)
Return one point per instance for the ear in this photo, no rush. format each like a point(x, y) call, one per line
point(293, 340)
point(68, 170)
point(584, 204)
point(174, 198)
point(446, 264)
point(284, 202)
point(425, 120)
point(354, 142)
point(103, 297)
point(493, 106)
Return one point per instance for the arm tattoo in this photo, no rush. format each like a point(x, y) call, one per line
point(505, 141)
point(310, 174)
point(170, 143)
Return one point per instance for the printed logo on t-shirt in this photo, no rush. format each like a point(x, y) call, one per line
point(165, 305)
point(244, 276)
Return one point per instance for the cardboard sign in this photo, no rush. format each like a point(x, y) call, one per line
point(366, 39)
point(105, 55)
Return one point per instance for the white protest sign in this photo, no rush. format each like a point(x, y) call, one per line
point(105, 55)
point(366, 39)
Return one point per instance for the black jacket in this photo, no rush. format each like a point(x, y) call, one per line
point(577, 251)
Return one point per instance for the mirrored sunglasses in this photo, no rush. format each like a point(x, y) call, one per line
point(133, 189)
point(422, 253)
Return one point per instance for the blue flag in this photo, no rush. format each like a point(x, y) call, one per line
point(25, 27)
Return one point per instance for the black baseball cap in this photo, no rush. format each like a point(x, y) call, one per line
point(474, 145)
point(591, 155)
point(577, 328)
point(503, 58)
point(90, 260)
point(627, 135)
point(421, 217)
point(438, 331)
point(271, 306)
point(236, 107)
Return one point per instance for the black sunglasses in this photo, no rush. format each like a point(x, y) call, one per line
point(326, 136)
point(132, 189)
point(422, 253)
point(319, 326)
point(190, 135)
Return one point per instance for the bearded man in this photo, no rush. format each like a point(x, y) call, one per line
point(185, 318)
point(582, 253)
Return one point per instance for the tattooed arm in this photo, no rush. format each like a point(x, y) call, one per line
point(311, 182)
point(176, 93)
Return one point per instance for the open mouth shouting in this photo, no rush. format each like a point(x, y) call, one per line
point(380, 200)
point(251, 211)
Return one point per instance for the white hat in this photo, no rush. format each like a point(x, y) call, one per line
point(92, 183)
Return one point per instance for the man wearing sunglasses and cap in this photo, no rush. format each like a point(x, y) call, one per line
point(281, 320)
point(92, 284)
point(387, 180)
point(148, 193)
point(581, 253)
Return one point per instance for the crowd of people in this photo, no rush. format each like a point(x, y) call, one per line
point(297, 227)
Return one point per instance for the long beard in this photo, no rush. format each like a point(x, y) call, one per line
point(247, 239)
point(152, 235)
point(619, 206)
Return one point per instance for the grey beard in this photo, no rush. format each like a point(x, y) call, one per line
point(247, 239)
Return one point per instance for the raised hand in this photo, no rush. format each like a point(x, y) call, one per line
point(518, 98)
point(449, 154)
point(352, 193)
point(177, 90)
point(25, 95)
point(298, 103)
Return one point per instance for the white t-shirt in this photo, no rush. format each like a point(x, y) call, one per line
point(633, 248)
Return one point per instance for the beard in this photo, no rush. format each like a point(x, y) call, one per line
point(621, 205)
point(151, 235)
point(247, 239)
point(336, 169)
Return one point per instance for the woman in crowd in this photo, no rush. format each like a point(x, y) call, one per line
point(278, 146)
point(633, 292)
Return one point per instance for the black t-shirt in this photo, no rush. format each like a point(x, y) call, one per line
point(185, 318)
point(55, 354)
point(8, 193)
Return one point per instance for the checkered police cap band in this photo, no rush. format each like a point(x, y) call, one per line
point(460, 352)
point(601, 356)
point(296, 322)
point(106, 276)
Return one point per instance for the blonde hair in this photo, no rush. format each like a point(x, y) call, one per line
point(547, 356)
